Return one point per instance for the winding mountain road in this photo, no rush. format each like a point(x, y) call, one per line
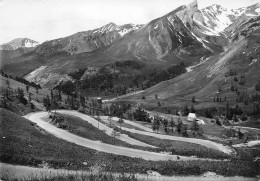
point(97, 145)
point(103, 127)
point(149, 132)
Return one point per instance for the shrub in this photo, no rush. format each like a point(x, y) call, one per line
point(141, 115)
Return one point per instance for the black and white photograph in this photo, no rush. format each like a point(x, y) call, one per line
point(129, 90)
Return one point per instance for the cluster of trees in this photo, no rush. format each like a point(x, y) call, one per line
point(67, 87)
point(232, 112)
point(219, 99)
point(231, 72)
point(158, 76)
point(119, 109)
point(234, 133)
point(53, 101)
point(141, 115)
point(243, 97)
point(180, 127)
point(121, 82)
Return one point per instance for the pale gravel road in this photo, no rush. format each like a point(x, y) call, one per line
point(249, 144)
point(148, 132)
point(206, 143)
point(105, 128)
point(97, 145)
point(105, 118)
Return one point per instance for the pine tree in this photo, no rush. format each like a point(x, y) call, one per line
point(194, 127)
point(192, 109)
point(120, 121)
point(193, 100)
point(59, 95)
point(227, 110)
point(27, 88)
point(165, 124)
point(52, 95)
point(179, 126)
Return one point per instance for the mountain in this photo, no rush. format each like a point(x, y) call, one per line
point(19, 43)
point(237, 67)
point(218, 18)
point(186, 35)
point(86, 41)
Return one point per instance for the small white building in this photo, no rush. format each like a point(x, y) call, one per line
point(191, 117)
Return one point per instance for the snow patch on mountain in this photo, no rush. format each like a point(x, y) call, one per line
point(29, 43)
point(122, 30)
point(218, 18)
point(19, 43)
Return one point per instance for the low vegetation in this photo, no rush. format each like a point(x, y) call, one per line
point(76, 177)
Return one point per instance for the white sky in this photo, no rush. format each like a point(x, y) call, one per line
point(43, 20)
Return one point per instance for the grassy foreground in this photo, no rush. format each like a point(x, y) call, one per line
point(78, 177)
point(25, 144)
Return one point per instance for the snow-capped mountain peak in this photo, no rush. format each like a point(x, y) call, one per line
point(218, 18)
point(107, 28)
point(19, 43)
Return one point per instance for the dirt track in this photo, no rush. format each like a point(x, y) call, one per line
point(97, 145)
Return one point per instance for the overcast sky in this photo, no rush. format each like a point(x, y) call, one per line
point(43, 20)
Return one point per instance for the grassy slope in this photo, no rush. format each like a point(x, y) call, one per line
point(14, 85)
point(82, 177)
point(22, 144)
point(179, 147)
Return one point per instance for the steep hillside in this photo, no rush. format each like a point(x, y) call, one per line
point(19, 43)
point(230, 74)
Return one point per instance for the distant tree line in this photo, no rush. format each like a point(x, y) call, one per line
point(22, 80)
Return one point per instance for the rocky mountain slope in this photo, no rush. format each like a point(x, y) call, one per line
point(19, 43)
point(86, 41)
point(237, 67)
